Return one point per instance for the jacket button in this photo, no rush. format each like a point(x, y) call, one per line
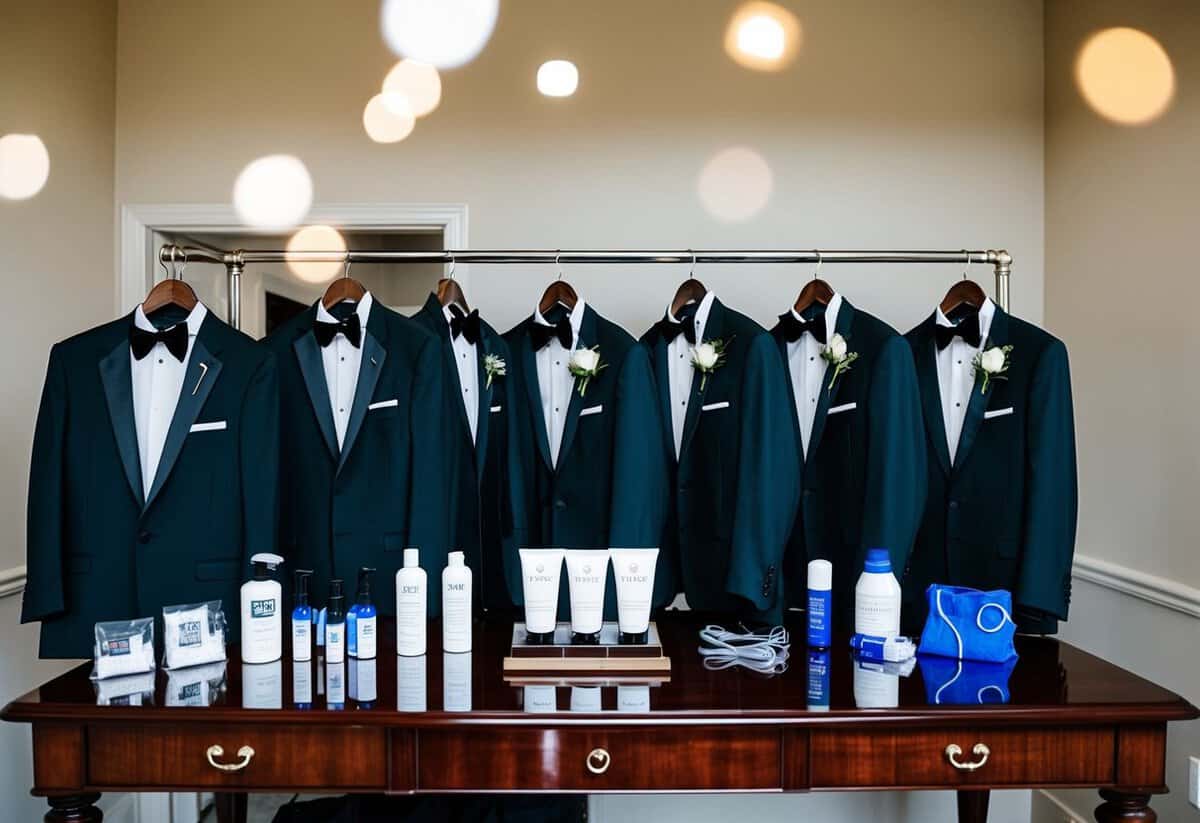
point(144, 537)
point(560, 504)
point(766, 589)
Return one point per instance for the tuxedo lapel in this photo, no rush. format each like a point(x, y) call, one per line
point(533, 395)
point(827, 396)
point(202, 371)
point(116, 375)
point(308, 355)
point(931, 395)
point(782, 343)
point(662, 372)
point(712, 331)
point(587, 339)
point(373, 356)
point(997, 336)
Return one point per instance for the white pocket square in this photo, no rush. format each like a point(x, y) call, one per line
point(495, 409)
point(724, 404)
point(591, 410)
point(845, 407)
point(214, 426)
point(988, 415)
point(383, 404)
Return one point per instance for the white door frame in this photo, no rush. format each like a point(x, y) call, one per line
point(136, 255)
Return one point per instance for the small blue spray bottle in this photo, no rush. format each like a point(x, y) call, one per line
point(820, 604)
point(301, 617)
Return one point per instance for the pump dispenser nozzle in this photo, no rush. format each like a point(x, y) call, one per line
point(264, 563)
point(300, 587)
point(364, 586)
point(335, 611)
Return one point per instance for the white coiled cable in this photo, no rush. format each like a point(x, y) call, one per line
point(765, 653)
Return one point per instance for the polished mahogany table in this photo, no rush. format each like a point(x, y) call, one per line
point(452, 723)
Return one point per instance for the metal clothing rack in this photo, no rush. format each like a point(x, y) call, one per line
point(235, 261)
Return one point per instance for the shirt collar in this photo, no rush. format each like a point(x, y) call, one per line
point(986, 312)
point(194, 319)
point(363, 310)
point(831, 313)
point(576, 318)
point(701, 316)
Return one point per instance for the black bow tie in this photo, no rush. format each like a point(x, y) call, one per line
point(794, 329)
point(175, 339)
point(465, 324)
point(350, 326)
point(967, 329)
point(541, 335)
point(684, 324)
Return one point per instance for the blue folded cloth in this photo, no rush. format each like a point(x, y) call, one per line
point(950, 682)
point(969, 624)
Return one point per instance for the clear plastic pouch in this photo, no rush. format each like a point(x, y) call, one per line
point(124, 647)
point(193, 634)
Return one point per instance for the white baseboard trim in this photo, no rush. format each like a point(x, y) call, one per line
point(12, 581)
point(1070, 813)
point(1151, 588)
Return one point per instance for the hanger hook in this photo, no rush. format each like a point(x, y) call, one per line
point(817, 270)
point(967, 255)
point(692, 272)
point(346, 270)
point(558, 262)
point(450, 275)
point(183, 266)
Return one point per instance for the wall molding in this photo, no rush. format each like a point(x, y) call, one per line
point(12, 581)
point(1160, 591)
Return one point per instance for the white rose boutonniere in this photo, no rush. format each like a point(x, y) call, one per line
point(837, 354)
point(494, 366)
point(585, 364)
point(707, 357)
point(993, 364)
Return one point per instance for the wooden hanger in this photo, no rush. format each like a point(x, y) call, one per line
point(964, 291)
point(690, 290)
point(342, 289)
point(172, 291)
point(449, 292)
point(560, 291)
point(814, 291)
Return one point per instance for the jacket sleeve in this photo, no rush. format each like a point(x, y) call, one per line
point(44, 594)
point(768, 479)
point(259, 457)
point(1051, 488)
point(895, 490)
point(429, 485)
point(639, 490)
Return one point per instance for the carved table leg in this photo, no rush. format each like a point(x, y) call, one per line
point(74, 808)
point(973, 806)
point(1119, 807)
point(231, 807)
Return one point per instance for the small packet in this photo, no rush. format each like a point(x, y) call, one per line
point(193, 634)
point(197, 686)
point(124, 647)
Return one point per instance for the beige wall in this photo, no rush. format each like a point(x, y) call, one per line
point(1122, 214)
point(915, 124)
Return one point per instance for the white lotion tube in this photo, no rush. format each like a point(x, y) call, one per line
point(540, 573)
point(633, 569)
point(587, 572)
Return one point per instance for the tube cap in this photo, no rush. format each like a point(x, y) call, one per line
point(539, 638)
point(878, 561)
point(589, 639)
point(820, 575)
point(412, 558)
point(634, 638)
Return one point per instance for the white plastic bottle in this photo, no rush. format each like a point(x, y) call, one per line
point(456, 604)
point(262, 612)
point(411, 597)
point(877, 597)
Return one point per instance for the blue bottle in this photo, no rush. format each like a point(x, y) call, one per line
point(361, 620)
point(301, 617)
point(820, 604)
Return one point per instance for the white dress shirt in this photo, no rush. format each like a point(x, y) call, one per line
point(807, 368)
point(956, 374)
point(342, 360)
point(468, 372)
point(679, 367)
point(157, 383)
point(555, 380)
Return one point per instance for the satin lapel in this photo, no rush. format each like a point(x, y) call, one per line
point(587, 338)
point(533, 396)
point(997, 336)
point(781, 341)
point(202, 372)
point(308, 355)
point(117, 379)
point(662, 373)
point(931, 396)
point(373, 356)
point(827, 396)
point(484, 417)
point(713, 329)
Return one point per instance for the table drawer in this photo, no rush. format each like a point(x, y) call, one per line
point(917, 758)
point(310, 757)
point(581, 759)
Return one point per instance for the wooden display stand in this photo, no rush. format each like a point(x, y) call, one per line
point(606, 657)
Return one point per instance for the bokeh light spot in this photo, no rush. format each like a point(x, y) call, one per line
point(442, 33)
point(273, 192)
point(735, 184)
point(763, 36)
point(24, 166)
point(316, 238)
point(557, 78)
point(388, 117)
point(1125, 75)
point(418, 82)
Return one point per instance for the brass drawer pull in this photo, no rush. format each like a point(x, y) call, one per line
point(245, 753)
point(598, 761)
point(981, 751)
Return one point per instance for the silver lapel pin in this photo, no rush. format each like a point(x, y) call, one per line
point(203, 371)
point(373, 363)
